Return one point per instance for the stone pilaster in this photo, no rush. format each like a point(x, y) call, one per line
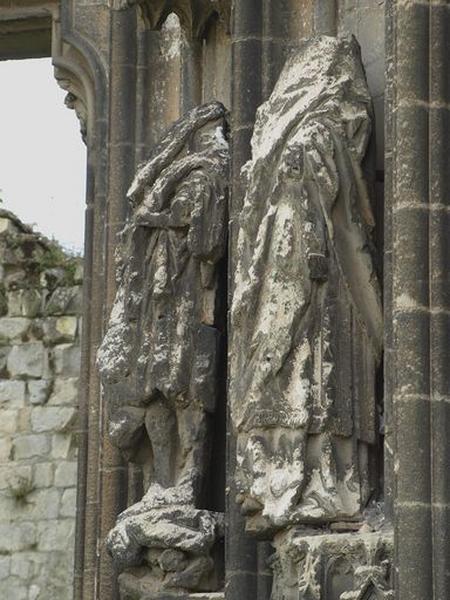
point(418, 347)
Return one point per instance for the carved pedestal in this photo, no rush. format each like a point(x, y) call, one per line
point(312, 565)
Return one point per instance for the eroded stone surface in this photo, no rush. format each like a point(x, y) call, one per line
point(159, 357)
point(351, 566)
point(307, 300)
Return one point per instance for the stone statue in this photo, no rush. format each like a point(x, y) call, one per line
point(159, 357)
point(306, 323)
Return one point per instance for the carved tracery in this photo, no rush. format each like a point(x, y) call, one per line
point(348, 566)
point(194, 14)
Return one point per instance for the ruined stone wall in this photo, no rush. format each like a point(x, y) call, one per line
point(40, 303)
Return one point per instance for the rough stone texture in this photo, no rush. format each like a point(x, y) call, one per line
point(342, 566)
point(307, 299)
point(131, 69)
point(38, 401)
point(159, 358)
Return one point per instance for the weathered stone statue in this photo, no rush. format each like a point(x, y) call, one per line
point(159, 357)
point(306, 321)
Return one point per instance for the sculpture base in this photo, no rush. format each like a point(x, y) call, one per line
point(344, 566)
point(133, 587)
point(137, 588)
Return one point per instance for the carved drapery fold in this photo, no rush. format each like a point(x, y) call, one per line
point(159, 358)
point(307, 300)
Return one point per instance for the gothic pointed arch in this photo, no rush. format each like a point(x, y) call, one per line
point(194, 14)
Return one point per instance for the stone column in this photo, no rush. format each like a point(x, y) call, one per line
point(240, 549)
point(418, 347)
point(112, 471)
point(102, 483)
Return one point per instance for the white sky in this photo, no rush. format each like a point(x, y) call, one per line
point(42, 156)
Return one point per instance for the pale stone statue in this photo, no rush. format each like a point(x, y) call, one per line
point(306, 323)
point(159, 357)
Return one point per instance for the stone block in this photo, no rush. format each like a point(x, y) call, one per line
point(14, 590)
point(28, 360)
point(67, 360)
point(39, 561)
point(10, 256)
point(43, 474)
point(14, 329)
point(14, 276)
point(39, 390)
point(64, 301)
point(17, 537)
point(53, 277)
point(24, 303)
point(8, 421)
point(7, 225)
point(57, 330)
point(19, 486)
point(68, 503)
point(66, 474)
point(3, 301)
point(60, 536)
point(4, 352)
point(20, 566)
point(65, 392)
point(5, 565)
point(61, 445)
point(8, 514)
point(43, 504)
point(52, 418)
point(78, 275)
point(31, 506)
point(12, 393)
point(5, 449)
point(66, 326)
point(7, 472)
point(23, 422)
point(33, 592)
point(29, 446)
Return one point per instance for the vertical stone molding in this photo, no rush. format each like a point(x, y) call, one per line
point(160, 357)
point(417, 189)
point(307, 299)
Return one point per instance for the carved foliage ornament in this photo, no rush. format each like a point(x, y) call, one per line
point(306, 314)
point(159, 357)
